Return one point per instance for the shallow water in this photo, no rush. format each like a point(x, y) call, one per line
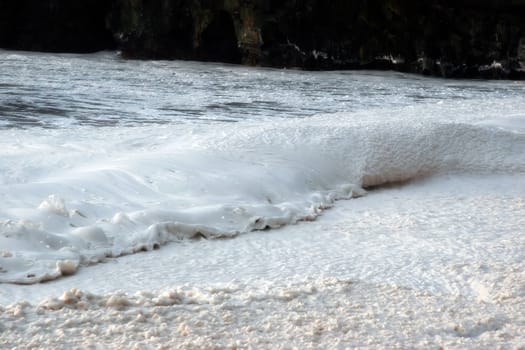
point(65, 90)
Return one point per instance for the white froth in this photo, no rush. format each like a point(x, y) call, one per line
point(200, 183)
point(311, 314)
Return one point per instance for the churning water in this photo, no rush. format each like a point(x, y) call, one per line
point(102, 157)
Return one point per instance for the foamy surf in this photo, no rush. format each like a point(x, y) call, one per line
point(71, 199)
point(311, 313)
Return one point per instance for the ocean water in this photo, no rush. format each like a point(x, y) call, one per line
point(242, 188)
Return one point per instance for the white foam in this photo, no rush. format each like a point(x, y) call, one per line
point(88, 196)
point(311, 313)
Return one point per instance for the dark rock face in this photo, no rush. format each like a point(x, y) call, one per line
point(55, 25)
point(442, 38)
point(210, 30)
point(153, 29)
point(219, 40)
point(459, 39)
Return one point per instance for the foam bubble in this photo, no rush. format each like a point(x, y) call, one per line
point(54, 204)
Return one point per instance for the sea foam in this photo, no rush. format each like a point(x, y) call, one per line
point(88, 196)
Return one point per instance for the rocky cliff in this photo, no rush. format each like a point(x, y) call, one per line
point(462, 38)
point(55, 25)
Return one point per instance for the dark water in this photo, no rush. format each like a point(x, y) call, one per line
point(52, 90)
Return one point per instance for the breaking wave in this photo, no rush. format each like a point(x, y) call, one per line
point(114, 192)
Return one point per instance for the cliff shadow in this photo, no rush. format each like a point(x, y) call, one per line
point(219, 40)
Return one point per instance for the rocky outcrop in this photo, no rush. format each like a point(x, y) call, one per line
point(461, 39)
point(226, 31)
point(55, 25)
